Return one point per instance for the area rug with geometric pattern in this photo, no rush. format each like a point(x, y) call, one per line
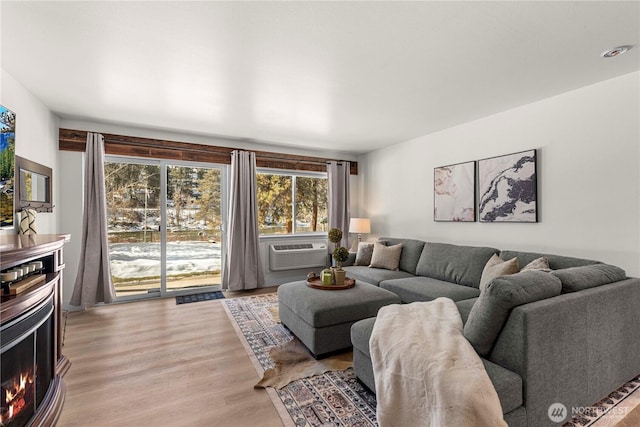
point(336, 398)
point(331, 399)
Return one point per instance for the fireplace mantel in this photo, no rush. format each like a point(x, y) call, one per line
point(16, 250)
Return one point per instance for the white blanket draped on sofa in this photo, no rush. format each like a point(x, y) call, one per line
point(426, 372)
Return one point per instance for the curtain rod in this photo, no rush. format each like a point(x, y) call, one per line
point(303, 159)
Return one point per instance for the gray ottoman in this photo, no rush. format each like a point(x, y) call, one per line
point(322, 319)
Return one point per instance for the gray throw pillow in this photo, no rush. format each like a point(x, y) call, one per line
point(491, 311)
point(589, 276)
point(365, 251)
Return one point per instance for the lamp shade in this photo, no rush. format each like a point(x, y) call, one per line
point(360, 225)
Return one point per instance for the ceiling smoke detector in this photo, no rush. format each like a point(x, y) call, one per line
point(616, 51)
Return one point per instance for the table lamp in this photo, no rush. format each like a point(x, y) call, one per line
point(359, 226)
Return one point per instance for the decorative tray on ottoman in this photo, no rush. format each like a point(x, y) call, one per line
point(316, 283)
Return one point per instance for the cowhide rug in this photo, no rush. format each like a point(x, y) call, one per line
point(293, 362)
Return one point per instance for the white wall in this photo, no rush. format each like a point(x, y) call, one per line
point(71, 179)
point(71, 170)
point(36, 140)
point(588, 143)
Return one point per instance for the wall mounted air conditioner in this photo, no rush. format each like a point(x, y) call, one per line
point(297, 255)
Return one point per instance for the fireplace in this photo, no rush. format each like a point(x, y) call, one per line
point(26, 364)
point(31, 360)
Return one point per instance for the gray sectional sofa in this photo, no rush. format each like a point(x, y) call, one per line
point(570, 336)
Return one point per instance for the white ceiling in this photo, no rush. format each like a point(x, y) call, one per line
point(346, 76)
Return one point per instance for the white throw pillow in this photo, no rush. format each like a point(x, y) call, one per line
point(387, 257)
point(541, 264)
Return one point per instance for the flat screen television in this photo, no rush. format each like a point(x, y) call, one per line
point(7, 166)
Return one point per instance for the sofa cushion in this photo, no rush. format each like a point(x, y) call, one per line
point(497, 267)
point(464, 307)
point(363, 256)
point(411, 250)
point(489, 314)
point(419, 288)
point(374, 275)
point(452, 263)
point(556, 262)
point(360, 334)
point(387, 257)
point(588, 276)
point(508, 385)
point(319, 308)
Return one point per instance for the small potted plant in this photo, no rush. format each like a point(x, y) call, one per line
point(340, 255)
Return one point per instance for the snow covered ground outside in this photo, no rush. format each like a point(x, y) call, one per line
point(138, 260)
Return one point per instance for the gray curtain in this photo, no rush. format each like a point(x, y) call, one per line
point(243, 266)
point(93, 282)
point(338, 177)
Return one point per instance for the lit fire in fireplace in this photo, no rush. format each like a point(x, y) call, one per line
point(17, 394)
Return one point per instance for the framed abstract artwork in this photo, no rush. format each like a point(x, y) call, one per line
point(454, 195)
point(507, 188)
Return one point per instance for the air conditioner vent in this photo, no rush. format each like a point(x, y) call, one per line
point(290, 247)
point(297, 255)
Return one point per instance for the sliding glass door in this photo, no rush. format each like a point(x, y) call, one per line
point(165, 222)
point(194, 227)
point(133, 226)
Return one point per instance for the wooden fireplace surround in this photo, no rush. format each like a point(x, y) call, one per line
point(19, 249)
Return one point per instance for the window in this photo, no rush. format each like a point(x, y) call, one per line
point(291, 203)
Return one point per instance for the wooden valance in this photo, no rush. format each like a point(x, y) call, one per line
point(120, 145)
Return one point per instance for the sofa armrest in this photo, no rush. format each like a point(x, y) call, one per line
point(572, 349)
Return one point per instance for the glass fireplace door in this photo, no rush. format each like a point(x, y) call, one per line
point(26, 364)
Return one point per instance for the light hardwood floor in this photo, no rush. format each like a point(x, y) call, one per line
point(155, 363)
